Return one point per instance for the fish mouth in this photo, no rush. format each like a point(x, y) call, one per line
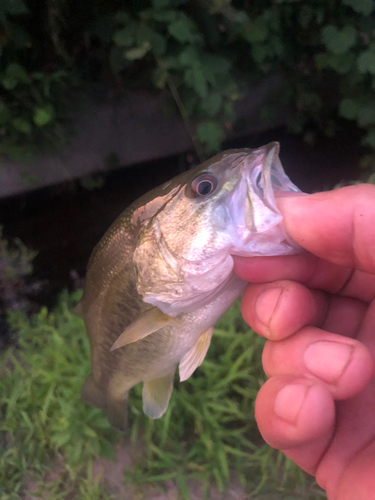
point(269, 178)
point(265, 177)
point(257, 222)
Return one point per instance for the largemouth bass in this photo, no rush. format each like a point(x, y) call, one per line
point(162, 274)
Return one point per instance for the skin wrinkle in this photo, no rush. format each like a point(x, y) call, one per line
point(313, 470)
point(356, 308)
point(313, 278)
point(326, 302)
point(359, 282)
point(340, 290)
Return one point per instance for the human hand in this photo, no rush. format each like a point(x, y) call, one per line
point(318, 311)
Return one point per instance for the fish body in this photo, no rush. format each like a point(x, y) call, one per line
point(162, 276)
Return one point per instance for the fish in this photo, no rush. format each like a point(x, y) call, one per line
point(161, 276)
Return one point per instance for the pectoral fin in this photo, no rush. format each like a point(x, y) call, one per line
point(148, 322)
point(156, 394)
point(196, 355)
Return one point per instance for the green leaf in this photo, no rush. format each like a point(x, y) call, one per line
point(366, 116)
point(165, 16)
point(342, 63)
point(306, 15)
point(13, 7)
point(160, 4)
point(44, 115)
point(216, 64)
point(366, 61)
point(9, 83)
point(124, 37)
point(189, 56)
point(364, 7)
point(5, 114)
point(369, 139)
point(137, 52)
point(348, 108)
point(107, 450)
point(256, 31)
point(339, 41)
point(211, 134)
point(260, 53)
point(158, 42)
point(212, 104)
point(195, 79)
point(154, 39)
point(22, 125)
point(14, 74)
point(184, 29)
point(122, 17)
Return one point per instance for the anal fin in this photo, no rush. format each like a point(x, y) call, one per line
point(156, 395)
point(195, 356)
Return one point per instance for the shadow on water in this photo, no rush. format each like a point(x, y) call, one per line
point(63, 223)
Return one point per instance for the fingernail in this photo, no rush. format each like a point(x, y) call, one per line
point(328, 360)
point(267, 303)
point(289, 401)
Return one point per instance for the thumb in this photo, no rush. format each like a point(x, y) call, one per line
point(338, 226)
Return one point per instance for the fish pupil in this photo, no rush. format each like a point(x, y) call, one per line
point(204, 187)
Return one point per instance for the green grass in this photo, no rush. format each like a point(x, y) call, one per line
point(208, 433)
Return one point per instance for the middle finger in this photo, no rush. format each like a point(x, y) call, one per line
point(279, 309)
point(343, 364)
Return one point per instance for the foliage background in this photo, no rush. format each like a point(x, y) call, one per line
point(205, 53)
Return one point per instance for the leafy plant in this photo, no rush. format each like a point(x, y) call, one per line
point(199, 77)
point(32, 95)
point(50, 439)
point(204, 54)
point(15, 267)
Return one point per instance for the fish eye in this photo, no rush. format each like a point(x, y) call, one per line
point(203, 185)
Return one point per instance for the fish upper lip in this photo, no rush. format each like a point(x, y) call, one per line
point(252, 206)
point(271, 179)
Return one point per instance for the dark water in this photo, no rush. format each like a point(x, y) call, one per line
point(63, 223)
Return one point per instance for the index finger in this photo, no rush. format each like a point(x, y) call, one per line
point(339, 228)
